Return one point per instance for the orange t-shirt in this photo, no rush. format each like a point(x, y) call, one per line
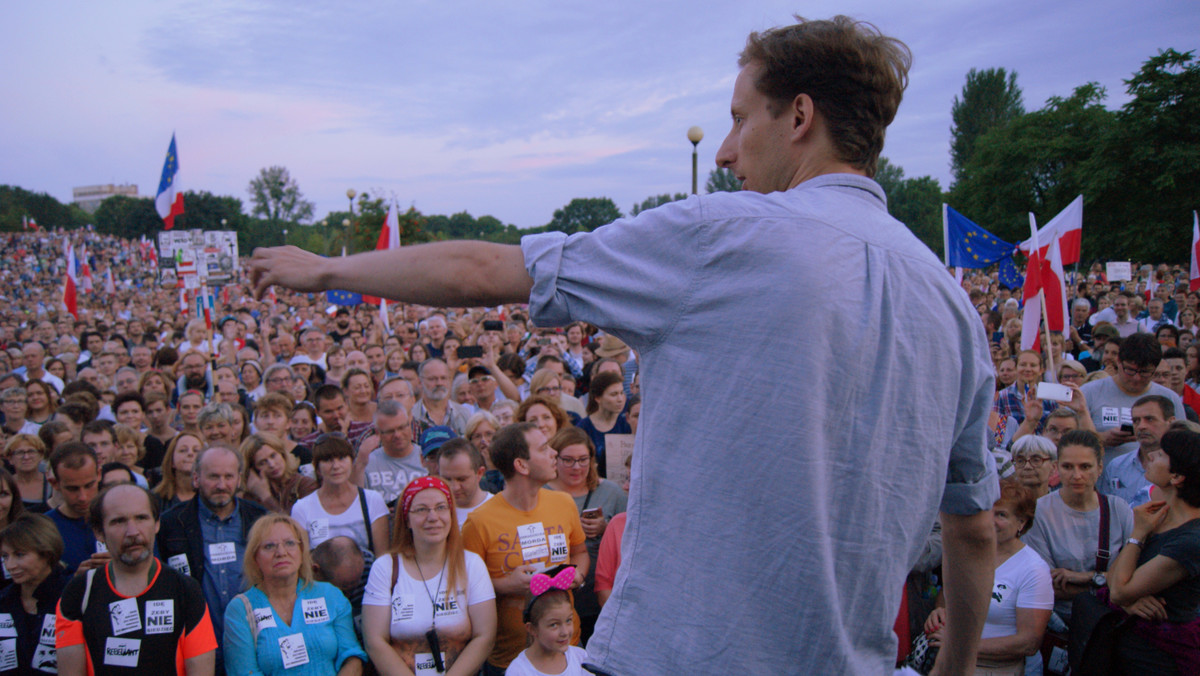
point(505, 538)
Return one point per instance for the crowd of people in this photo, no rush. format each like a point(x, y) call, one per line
point(296, 470)
point(190, 499)
point(1098, 512)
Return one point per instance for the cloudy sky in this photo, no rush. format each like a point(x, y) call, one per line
point(509, 109)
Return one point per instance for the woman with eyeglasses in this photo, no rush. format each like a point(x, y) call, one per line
point(25, 452)
point(286, 623)
point(1066, 530)
point(598, 501)
point(429, 605)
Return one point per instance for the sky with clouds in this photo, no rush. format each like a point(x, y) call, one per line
point(509, 109)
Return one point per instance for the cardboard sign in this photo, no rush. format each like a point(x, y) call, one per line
point(1118, 271)
point(617, 447)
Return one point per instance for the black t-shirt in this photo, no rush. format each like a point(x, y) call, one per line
point(156, 450)
point(1182, 545)
point(152, 633)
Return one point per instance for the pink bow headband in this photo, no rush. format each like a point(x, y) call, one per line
point(539, 584)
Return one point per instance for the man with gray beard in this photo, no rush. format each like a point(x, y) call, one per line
point(435, 407)
point(138, 615)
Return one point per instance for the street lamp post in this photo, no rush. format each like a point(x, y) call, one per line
point(350, 193)
point(695, 134)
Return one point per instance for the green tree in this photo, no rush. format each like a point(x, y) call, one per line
point(276, 197)
point(1038, 163)
point(722, 180)
point(990, 98)
point(584, 214)
point(915, 202)
point(1149, 166)
point(129, 217)
point(17, 203)
point(657, 201)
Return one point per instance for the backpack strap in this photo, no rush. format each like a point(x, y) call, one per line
point(395, 572)
point(250, 619)
point(362, 502)
point(87, 590)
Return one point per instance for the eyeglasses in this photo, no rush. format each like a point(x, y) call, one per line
point(1131, 372)
point(279, 380)
point(422, 512)
point(481, 379)
point(25, 451)
point(1069, 375)
point(270, 547)
point(1031, 460)
point(575, 462)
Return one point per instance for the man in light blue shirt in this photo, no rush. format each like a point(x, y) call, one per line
point(740, 572)
point(1125, 476)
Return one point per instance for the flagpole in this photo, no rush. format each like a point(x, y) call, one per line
point(1042, 298)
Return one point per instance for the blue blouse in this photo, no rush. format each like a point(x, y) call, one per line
point(318, 608)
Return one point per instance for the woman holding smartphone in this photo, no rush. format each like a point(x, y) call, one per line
point(597, 500)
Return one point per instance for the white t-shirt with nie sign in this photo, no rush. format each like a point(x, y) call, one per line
point(322, 525)
point(412, 613)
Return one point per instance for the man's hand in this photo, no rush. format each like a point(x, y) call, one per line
point(516, 582)
point(287, 266)
point(97, 560)
point(1116, 436)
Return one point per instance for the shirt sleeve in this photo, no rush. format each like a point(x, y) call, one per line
point(1184, 549)
point(473, 539)
point(609, 556)
point(343, 626)
point(1035, 539)
point(1037, 589)
point(972, 484)
point(618, 275)
point(198, 635)
point(241, 655)
point(479, 583)
point(376, 506)
point(377, 591)
point(67, 632)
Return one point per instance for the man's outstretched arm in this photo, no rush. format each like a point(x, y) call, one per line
point(968, 568)
point(460, 273)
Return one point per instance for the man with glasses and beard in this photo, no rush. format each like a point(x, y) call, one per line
point(137, 615)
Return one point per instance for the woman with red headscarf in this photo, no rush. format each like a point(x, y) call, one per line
point(428, 605)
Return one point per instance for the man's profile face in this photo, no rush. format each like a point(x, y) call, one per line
point(758, 148)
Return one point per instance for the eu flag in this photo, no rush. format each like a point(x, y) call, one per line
point(343, 298)
point(1009, 276)
point(970, 245)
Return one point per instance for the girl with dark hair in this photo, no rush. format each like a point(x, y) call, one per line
point(606, 413)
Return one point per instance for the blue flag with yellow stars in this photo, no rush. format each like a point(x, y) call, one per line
point(970, 245)
point(1009, 276)
point(343, 298)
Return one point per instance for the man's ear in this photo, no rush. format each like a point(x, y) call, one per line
point(802, 111)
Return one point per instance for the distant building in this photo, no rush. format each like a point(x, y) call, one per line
point(89, 197)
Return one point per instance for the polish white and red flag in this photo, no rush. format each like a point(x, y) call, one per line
point(1045, 274)
point(70, 295)
point(110, 286)
point(86, 283)
point(1194, 277)
point(389, 238)
point(1066, 228)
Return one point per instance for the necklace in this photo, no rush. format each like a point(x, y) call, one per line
point(437, 593)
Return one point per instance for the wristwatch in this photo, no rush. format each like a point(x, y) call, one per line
point(1098, 580)
point(1134, 541)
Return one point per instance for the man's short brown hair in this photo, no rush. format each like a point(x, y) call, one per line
point(854, 74)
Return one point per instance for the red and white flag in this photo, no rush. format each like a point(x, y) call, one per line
point(70, 295)
point(85, 271)
point(389, 238)
point(30, 224)
point(1066, 227)
point(1194, 278)
point(1045, 275)
point(109, 286)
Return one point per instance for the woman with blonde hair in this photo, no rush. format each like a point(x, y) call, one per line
point(272, 476)
point(176, 484)
point(286, 619)
point(426, 567)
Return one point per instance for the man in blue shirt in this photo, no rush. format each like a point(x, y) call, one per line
point(75, 474)
point(1125, 476)
point(206, 537)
